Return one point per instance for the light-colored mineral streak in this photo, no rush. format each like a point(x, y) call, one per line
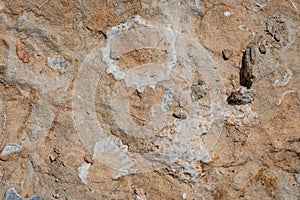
point(283, 95)
point(11, 149)
point(83, 172)
point(285, 79)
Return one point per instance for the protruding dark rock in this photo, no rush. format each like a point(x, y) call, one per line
point(226, 54)
point(248, 60)
point(241, 96)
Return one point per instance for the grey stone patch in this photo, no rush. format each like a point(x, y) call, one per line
point(35, 197)
point(167, 100)
point(11, 149)
point(58, 63)
point(297, 177)
point(11, 194)
point(199, 90)
point(286, 189)
point(241, 96)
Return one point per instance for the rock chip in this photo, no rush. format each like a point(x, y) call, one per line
point(241, 96)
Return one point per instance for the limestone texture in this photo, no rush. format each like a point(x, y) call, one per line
point(139, 99)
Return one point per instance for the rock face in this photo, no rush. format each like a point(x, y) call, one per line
point(149, 99)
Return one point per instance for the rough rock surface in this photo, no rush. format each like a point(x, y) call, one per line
point(127, 99)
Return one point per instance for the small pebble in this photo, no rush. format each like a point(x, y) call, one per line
point(277, 37)
point(52, 158)
point(262, 49)
point(286, 189)
point(226, 54)
point(276, 82)
point(183, 195)
point(281, 19)
point(179, 115)
point(227, 13)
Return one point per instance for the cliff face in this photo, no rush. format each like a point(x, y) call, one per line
point(149, 99)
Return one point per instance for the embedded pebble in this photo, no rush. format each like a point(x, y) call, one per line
point(227, 13)
point(11, 149)
point(277, 37)
point(183, 196)
point(179, 115)
point(88, 159)
point(297, 177)
point(262, 49)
